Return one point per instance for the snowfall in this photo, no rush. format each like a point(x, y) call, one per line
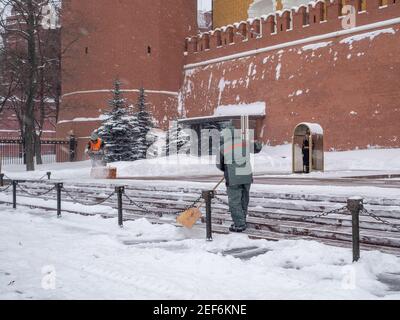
point(88, 257)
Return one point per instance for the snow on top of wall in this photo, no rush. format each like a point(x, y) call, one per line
point(315, 46)
point(314, 127)
point(371, 35)
point(252, 109)
point(99, 118)
point(296, 9)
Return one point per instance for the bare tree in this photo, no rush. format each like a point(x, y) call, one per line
point(7, 84)
point(49, 84)
point(30, 81)
point(21, 22)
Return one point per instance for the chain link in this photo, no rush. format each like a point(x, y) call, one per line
point(74, 199)
point(374, 216)
point(41, 179)
point(35, 194)
point(4, 190)
point(136, 204)
point(140, 206)
point(192, 205)
point(221, 201)
point(342, 210)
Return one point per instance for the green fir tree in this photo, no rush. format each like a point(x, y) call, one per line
point(119, 130)
point(144, 126)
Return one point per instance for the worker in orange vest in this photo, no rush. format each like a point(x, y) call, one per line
point(95, 150)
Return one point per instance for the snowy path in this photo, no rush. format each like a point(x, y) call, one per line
point(93, 259)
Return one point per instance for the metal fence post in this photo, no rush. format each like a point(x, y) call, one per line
point(1, 179)
point(14, 184)
point(355, 205)
point(59, 187)
point(208, 196)
point(48, 175)
point(120, 191)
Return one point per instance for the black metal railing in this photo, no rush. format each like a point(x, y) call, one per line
point(51, 151)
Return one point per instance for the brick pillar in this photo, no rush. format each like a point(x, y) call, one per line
point(333, 10)
point(319, 11)
point(298, 18)
point(286, 20)
point(267, 24)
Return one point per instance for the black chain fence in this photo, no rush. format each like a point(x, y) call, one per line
point(221, 201)
point(341, 210)
point(354, 207)
point(365, 212)
point(46, 176)
point(85, 203)
point(40, 194)
point(144, 209)
point(5, 189)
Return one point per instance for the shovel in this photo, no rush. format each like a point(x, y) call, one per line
point(189, 217)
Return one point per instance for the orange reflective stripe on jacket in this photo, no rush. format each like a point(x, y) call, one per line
point(95, 146)
point(231, 147)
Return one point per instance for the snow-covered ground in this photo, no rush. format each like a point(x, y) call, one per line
point(78, 257)
point(271, 161)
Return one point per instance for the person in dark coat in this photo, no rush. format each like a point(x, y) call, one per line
point(234, 160)
point(306, 154)
point(73, 143)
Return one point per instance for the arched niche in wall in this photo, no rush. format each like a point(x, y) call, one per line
point(308, 148)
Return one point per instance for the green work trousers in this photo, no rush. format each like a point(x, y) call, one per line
point(239, 197)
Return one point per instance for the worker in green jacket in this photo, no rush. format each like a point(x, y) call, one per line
point(234, 160)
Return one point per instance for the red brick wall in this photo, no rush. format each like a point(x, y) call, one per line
point(352, 90)
point(109, 39)
point(10, 128)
